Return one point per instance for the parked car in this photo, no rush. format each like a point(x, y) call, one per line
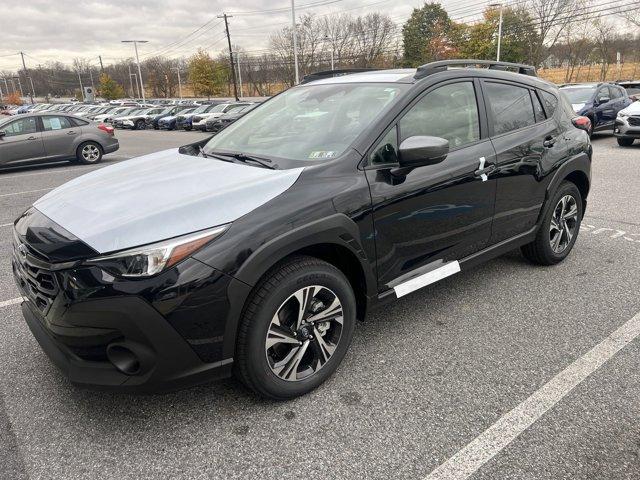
point(627, 127)
point(105, 117)
point(45, 137)
point(127, 111)
point(199, 121)
point(153, 121)
point(136, 120)
point(171, 122)
point(184, 119)
point(600, 102)
point(255, 251)
point(633, 89)
point(216, 124)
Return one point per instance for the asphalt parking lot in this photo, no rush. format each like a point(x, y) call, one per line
point(489, 373)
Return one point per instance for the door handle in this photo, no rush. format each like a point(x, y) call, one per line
point(549, 142)
point(32, 138)
point(72, 132)
point(483, 171)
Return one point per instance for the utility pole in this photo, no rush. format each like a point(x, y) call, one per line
point(101, 65)
point(295, 40)
point(179, 83)
point(135, 45)
point(32, 89)
point(26, 74)
point(91, 77)
point(233, 70)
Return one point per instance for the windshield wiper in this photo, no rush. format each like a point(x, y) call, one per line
point(243, 157)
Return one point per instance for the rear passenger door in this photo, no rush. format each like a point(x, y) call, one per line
point(433, 214)
point(59, 135)
point(527, 145)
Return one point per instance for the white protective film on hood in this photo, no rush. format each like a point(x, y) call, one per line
point(160, 196)
point(633, 109)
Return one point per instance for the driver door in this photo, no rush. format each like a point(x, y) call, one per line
point(436, 214)
point(21, 141)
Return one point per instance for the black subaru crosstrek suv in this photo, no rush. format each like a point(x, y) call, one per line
point(256, 250)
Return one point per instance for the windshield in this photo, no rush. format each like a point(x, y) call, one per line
point(578, 94)
point(308, 122)
point(201, 109)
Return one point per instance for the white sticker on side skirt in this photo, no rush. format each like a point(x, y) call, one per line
point(427, 278)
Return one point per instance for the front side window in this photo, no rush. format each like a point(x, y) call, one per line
point(510, 106)
point(24, 126)
point(450, 112)
point(614, 92)
point(308, 122)
point(603, 95)
point(55, 123)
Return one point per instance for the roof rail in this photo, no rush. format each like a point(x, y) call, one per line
point(441, 66)
point(334, 73)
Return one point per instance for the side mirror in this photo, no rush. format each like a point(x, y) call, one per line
point(602, 100)
point(2, 133)
point(421, 150)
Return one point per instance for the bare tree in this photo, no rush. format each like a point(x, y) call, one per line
point(550, 18)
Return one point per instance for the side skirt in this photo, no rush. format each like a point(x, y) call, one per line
point(440, 271)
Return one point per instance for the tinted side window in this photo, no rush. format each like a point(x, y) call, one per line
point(386, 151)
point(23, 126)
point(615, 92)
point(450, 112)
point(550, 103)
point(511, 107)
point(603, 94)
point(55, 123)
point(537, 108)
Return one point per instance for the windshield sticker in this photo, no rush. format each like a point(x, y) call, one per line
point(322, 154)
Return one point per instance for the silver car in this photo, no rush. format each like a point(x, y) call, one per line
point(49, 136)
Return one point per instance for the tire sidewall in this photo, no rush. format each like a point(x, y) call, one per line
point(80, 158)
point(564, 189)
point(257, 364)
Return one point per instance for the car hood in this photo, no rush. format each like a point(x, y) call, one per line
point(159, 196)
point(633, 109)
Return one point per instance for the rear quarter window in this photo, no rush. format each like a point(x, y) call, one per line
point(77, 122)
point(550, 102)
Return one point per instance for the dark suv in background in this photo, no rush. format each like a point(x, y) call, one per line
point(600, 102)
point(256, 250)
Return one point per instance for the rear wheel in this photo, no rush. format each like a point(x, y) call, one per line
point(625, 141)
point(140, 125)
point(559, 230)
point(296, 328)
point(89, 153)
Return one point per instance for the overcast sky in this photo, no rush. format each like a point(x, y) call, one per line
point(61, 30)
point(64, 29)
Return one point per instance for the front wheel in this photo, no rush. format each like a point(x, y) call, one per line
point(559, 229)
point(625, 141)
point(140, 125)
point(89, 153)
point(295, 329)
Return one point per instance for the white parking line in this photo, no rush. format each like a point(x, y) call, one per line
point(493, 440)
point(108, 161)
point(26, 191)
point(6, 224)
point(13, 301)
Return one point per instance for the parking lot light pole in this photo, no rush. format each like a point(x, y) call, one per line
point(498, 5)
point(239, 73)
point(179, 83)
point(295, 40)
point(135, 46)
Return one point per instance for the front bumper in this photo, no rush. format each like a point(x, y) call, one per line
point(166, 361)
point(627, 127)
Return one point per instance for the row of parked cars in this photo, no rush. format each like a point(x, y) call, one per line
point(212, 116)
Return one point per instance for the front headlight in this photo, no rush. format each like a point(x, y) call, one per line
point(152, 259)
point(623, 114)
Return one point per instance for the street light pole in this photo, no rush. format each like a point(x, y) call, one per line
point(135, 46)
point(327, 40)
point(179, 83)
point(239, 73)
point(81, 87)
point(498, 5)
point(295, 40)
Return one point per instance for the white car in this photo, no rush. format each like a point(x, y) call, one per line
point(627, 126)
point(199, 121)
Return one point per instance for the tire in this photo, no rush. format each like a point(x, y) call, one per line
point(287, 369)
point(140, 125)
point(542, 250)
point(625, 141)
point(89, 153)
point(187, 129)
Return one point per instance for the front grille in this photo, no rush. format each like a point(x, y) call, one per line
point(635, 121)
point(37, 284)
